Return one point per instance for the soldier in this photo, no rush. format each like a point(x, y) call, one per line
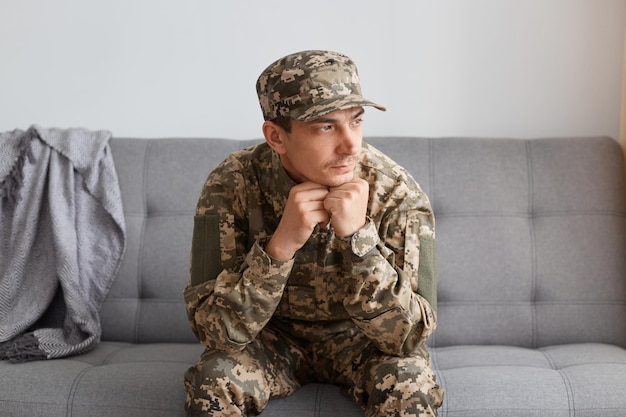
point(313, 258)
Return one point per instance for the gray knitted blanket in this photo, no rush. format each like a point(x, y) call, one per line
point(62, 239)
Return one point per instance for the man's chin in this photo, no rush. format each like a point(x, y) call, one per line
point(339, 180)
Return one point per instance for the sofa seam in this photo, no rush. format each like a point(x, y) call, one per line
point(124, 407)
point(551, 368)
point(171, 213)
point(318, 400)
point(146, 299)
point(535, 214)
point(569, 391)
point(533, 245)
point(142, 236)
point(499, 366)
point(72, 394)
point(566, 382)
point(463, 413)
point(112, 354)
point(573, 302)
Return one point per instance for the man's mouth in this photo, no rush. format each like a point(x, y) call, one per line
point(343, 164)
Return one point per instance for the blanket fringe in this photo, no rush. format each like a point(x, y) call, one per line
point(24, 348)
point(11, 185)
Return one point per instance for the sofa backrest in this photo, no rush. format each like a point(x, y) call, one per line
point(531, 233)
point(160, 181)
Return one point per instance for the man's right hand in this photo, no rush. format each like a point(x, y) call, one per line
point(303, 211)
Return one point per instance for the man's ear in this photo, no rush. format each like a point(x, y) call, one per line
point(274, 136)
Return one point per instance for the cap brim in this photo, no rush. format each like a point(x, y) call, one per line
point(324, 107)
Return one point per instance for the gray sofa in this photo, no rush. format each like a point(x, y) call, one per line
point(532, 284)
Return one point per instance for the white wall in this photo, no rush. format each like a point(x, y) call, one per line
point(159, 68)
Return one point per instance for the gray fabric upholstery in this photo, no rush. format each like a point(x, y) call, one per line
point(532, 284)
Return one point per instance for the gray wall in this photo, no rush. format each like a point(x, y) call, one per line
point(519, 68)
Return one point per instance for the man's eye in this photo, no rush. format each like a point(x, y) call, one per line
point(357, 122)
point(326, 128)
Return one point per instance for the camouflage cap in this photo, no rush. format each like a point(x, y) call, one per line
point(309, 84)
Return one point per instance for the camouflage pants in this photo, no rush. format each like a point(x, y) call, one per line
point(275, 365)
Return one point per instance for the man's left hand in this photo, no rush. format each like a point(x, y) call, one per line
point(347, 205)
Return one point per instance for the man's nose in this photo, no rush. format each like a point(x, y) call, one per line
point(350, 141)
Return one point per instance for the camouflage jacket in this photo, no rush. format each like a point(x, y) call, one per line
point(382, 279)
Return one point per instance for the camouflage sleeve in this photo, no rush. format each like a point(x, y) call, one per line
point(228, 304)
point(391, 294)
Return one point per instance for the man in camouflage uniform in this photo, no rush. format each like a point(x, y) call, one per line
point(313, 258)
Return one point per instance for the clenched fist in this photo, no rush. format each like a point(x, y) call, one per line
point(347, 206)
point(304, 210)
point(310, 204)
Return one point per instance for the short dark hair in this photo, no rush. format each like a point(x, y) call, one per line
point(283, 122)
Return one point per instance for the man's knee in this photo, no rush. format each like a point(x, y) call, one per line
point(225, 385)
point(406, 383)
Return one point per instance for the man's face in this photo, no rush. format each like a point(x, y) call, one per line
point(324, 150)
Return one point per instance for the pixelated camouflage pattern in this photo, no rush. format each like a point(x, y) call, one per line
point(275, 365)
point(241, 383)
point(309, 84)
point(365, 286)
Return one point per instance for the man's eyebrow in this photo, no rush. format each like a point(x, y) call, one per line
point(359, 113)
point(323, 120)
point(331, 120)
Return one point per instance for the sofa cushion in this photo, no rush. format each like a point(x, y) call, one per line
point(160, 181)
point(556, 381)
point(133, 380)
point(115, 379)
point(136, 380)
